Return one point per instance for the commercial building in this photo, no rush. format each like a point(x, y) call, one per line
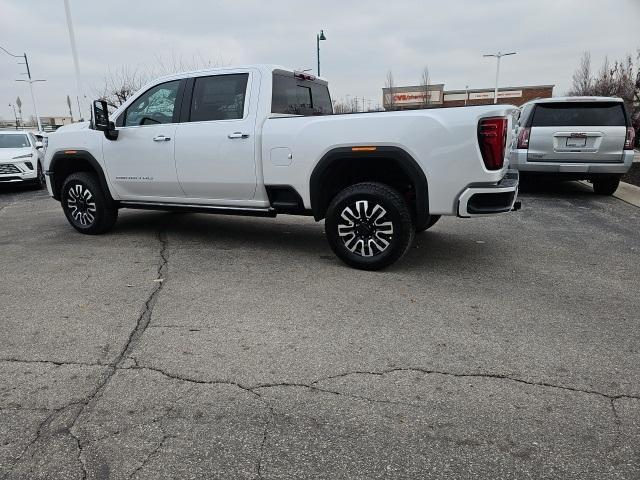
point(412, 97)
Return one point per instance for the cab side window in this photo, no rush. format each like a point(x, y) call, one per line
point(219, 97)
point(156, 106)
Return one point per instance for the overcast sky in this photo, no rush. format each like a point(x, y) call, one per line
point(365, 39)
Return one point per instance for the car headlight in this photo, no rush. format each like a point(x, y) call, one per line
point(28, 155)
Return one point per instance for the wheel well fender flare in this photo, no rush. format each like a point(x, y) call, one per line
point(407, 163)
point(59, 164)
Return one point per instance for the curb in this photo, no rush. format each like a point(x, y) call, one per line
point(628, 193)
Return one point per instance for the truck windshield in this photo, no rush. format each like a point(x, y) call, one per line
point(583, 114)
point(296, 96)
point(13, 141)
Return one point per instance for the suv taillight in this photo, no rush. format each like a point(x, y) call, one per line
point(523, 137)
point(631, 136)
point(492, 138)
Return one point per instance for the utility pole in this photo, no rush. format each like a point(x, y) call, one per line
point(498, 56)
point(30, 81)
point(74, 52)
point(466, 94)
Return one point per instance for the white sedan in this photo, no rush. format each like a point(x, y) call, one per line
point(20, 158)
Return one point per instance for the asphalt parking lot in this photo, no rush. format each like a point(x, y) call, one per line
point(193, 346)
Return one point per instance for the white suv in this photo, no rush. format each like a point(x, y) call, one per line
point(575, 138)
point(20, 158)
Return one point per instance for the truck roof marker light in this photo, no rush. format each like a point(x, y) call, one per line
point(364, 149)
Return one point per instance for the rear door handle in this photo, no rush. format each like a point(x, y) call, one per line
point(161, 138)
point(238, 135)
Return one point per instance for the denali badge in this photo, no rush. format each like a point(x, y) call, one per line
point(134, 178)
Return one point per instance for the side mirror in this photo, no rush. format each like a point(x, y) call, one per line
point(39, 145)
point(101, 120)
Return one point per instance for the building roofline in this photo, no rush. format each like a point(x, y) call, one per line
point(413, 88)
point(501, 89)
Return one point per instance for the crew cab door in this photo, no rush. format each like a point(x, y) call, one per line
point(141, 162)
point(215, 143)
point(578, 132)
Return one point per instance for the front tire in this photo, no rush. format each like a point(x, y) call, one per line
point(606, 186)
point(369, 226)
point(85, 205)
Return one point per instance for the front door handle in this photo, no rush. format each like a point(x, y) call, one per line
point(238, 135)
point(161, 138)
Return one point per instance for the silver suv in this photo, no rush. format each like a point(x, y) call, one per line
point(575, 138)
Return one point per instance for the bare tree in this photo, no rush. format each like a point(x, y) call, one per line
point(620, 79)
point(425, 84)
point(121, 84)
point(582, 81)
point(390, 85)
point(345, 106)
point(125, 81)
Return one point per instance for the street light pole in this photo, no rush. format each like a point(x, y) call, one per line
point(320, 36)
point(498, 56)
point(30, 81)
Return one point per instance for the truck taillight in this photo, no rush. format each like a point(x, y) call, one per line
point(523, 137)
point(492, 139)
point(631, 136)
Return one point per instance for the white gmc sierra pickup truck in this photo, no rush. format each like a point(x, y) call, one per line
point(262, 140)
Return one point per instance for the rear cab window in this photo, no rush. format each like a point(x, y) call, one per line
point(579, 114)
point(294, 95)
point(219, 97)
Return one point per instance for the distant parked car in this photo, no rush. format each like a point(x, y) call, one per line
point(21, 158)
point(575, 138)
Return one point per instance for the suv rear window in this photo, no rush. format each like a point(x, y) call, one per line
point(295, 96)
point(583, 114)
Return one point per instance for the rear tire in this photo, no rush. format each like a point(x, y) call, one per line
point(369, 226)
point(85, 205)
point(433, 219)
point(606, 186)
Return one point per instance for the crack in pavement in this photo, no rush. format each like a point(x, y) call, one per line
point(157, 448)
point(475, 375)
point(40, 431)
point(314, 386)
point(141, 324)
point(57, 363)
point(145, 316)
point(254, 390)
point(135, 335)
point(222, 382)
point(165, 436)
